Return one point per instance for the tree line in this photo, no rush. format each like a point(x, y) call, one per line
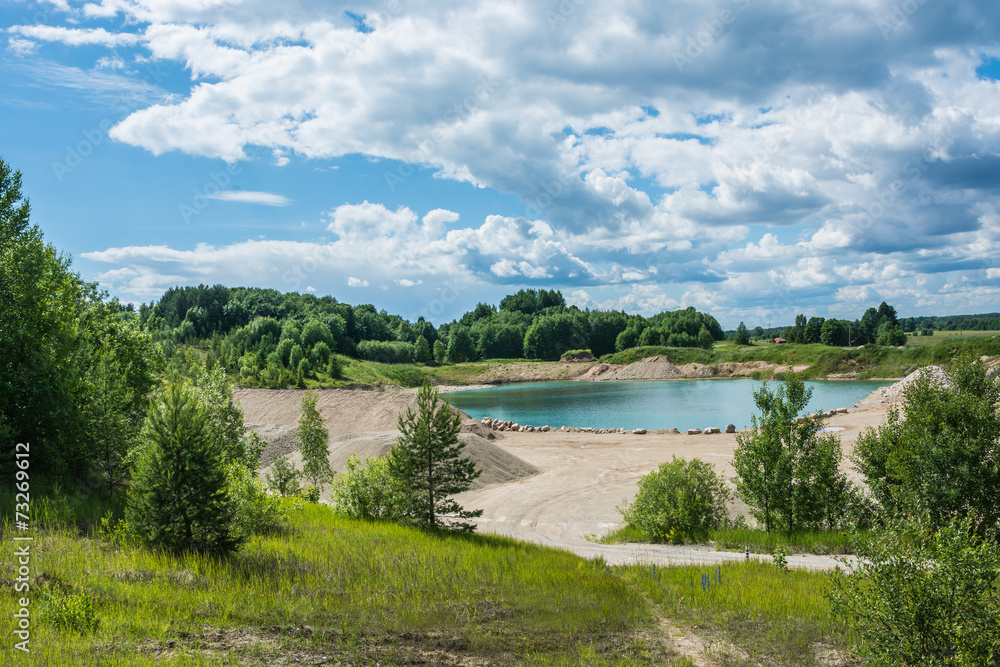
point(877, 326)
point(266, 338)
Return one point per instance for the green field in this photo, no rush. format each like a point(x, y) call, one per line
point(353, 592)
point(946, 336)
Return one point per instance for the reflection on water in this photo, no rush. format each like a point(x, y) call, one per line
point(650, 404)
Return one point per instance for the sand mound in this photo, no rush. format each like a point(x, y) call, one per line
point(894, 394)
point(650, 368)
point(498, 465)
point(345, 410)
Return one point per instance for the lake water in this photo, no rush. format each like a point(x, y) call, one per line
point(649, 404)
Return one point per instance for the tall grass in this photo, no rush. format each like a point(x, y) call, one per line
point(765, 614)
point(354, 591)
point(760, 542)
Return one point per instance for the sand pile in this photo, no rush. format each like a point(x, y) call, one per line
point(498, 465)
point(345, 410)
point(894, 394)
point(651, 368)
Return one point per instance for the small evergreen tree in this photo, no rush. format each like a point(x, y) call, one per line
point(179, 496)
point(314, 443)
point(742, 336)
point(427, 460)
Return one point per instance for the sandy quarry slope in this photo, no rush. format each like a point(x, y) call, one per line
point(274, 413)
point(662, 367)
point(498, 466)
point(552, 488)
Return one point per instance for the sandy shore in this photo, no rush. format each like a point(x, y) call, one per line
point(586, 476)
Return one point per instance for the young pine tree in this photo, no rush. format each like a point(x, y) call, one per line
point(314, 443)
point(179, 499)
point(427, 460)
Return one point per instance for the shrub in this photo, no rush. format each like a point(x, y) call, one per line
point(256, 512)
point(682, 500)
point(283, 478)
point(386, 352)
point(367, 490)
point(922, 596)
point(942, 454)
point(73, 612)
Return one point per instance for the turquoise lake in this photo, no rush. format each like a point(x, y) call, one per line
point(649, 404)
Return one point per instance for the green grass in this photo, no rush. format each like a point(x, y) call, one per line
point(946, 336)
point(756, 614)
point(352, 591)
point(760, 542)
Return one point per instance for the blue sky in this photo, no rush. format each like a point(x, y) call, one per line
point(751, 158)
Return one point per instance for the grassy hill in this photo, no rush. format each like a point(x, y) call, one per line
point(357, 593)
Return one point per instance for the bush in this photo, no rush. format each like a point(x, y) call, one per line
point(283, 478)
point(386, 352)
point(72, 612)
point(942, 454)
point(682, 500)
point(256, 512)
point(920, 596)
point(367, 490)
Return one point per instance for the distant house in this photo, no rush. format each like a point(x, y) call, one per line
point(780, 340)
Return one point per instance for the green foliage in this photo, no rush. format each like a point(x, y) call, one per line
point(70, 612)
point(295, 355)
point(386, 352)
point(427, 460)
point(681, 501)
point(320, 355)
point(705, 339)
point(942, 453)
point(422, 351)
point(439, 352)
point(313, 442)
point(179, 496)
point(780, 557)
point(923, 593)
point(461, 348)
point(368, 490)
point(255, 511)
point(785, 470)
point(314, 333)
point(283, 478)
point(742, 336)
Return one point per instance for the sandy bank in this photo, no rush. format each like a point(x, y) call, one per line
point(552, 488)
